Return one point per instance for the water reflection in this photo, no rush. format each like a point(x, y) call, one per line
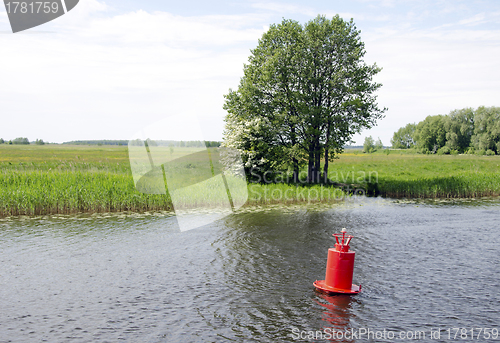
point(249, 277)
point(337, 312)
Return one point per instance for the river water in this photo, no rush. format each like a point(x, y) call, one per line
point(425, 269)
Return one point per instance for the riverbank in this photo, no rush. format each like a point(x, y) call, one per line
point(72, 179)
point(401, 174)
point(56, 179)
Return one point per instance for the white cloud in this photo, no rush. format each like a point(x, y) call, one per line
point(475, 20)
point(102, 77)
point(285, 8)
point(101, 74)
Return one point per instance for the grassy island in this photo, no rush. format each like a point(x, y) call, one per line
point(51, 179)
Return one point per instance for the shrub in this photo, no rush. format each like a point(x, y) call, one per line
point(21, 140)
point(480, 152)
point(444, 150)
point(490, 152)
point(369, 145)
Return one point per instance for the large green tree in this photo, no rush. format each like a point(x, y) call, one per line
point(459, 127)
point(404, 137)
point(430, 133)
point(487, 129)
point(305, 92)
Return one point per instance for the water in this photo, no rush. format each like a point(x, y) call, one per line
point(248, 277)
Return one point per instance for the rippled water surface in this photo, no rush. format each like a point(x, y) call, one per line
point(248, 277)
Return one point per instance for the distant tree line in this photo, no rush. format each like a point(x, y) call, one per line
point(98, 142)
point(461, 131)
point(173, 144)
point(21, 141)
point(188, 144)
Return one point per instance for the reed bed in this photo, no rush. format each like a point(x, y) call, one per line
point(64, 179)
point(64, 192)
point(460, 186)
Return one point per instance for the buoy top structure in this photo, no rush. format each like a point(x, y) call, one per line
point(339, 267)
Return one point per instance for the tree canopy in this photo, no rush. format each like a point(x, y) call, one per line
point(21, 140)
point(305, 92)
point(403, 138)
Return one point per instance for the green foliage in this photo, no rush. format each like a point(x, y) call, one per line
point(379, 145)
point(444, 150)
point(421, 176)
point(369, 145)
point(68, 179)
point(2, 141)
point(63, 179)
point(430, 134)
point(98, 142)
point(188, 144)
point(470, 151)
point(459, 127)
point(212, 144)
point(21, 140)
point(305, 92)
point(487, 129)
point(39, 142)
point(490, 152)
point(404, 137)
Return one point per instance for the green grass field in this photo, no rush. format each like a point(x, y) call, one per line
point(70, 179)
point(401, 174)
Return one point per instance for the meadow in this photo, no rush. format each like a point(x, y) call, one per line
point(403, 174)
point(64, 179)
point(61, 179)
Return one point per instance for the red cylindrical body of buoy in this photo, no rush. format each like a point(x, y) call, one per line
point(339, 268)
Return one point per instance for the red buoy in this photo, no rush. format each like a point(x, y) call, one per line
point(339, 268)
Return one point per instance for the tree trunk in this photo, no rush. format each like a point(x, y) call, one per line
point(325, 168)
point(295, 170)
point(317, 164)
point(327, 143)
point(310, 167)
point(295, 162)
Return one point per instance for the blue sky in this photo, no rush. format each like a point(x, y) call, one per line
point(109, 68)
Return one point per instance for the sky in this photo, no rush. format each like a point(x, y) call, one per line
point(109, 68)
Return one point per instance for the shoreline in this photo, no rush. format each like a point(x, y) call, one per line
point(248, 208)
point(270, 199)
point(47, 180)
